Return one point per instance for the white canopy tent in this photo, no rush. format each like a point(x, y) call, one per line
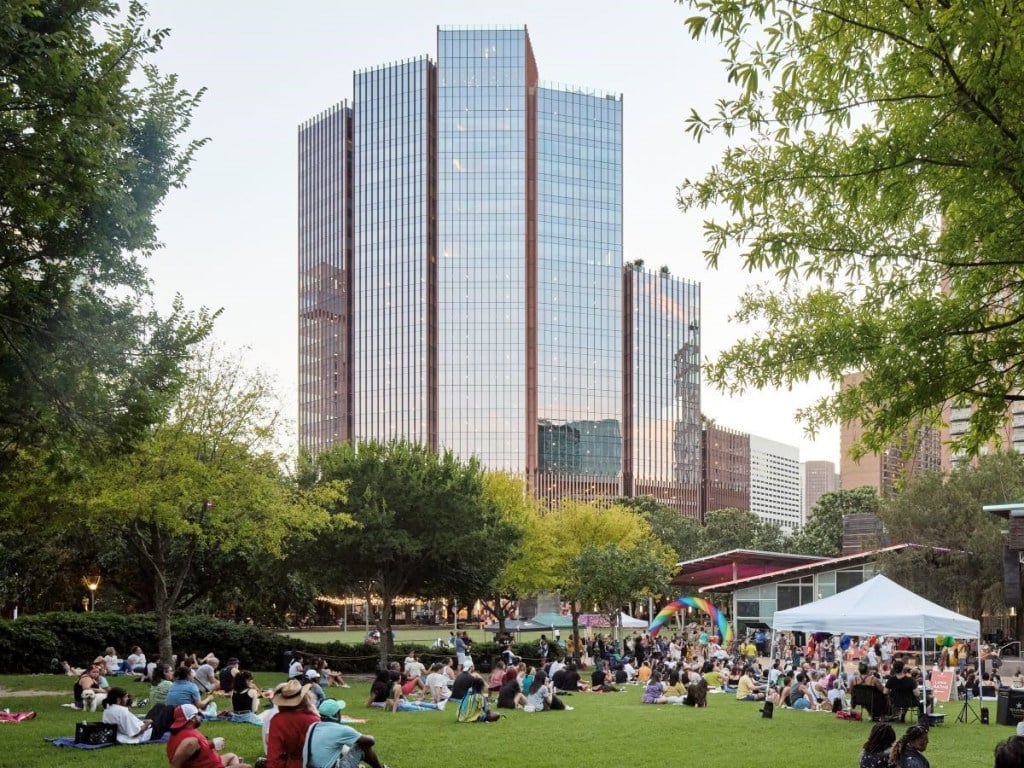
point(879, 606)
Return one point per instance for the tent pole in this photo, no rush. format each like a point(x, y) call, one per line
point(924, 681)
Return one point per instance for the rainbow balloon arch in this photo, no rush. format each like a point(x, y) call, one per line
point(681, 604)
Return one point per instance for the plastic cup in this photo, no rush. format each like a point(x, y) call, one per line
point(218, 743)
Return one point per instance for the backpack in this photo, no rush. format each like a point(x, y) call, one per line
point(472, 706)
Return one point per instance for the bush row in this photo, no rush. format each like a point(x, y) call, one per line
point(31, 643)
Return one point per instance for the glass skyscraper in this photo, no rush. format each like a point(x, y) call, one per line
point(486, 291)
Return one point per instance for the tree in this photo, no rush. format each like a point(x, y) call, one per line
point(876, 168)
point(519, 574)
point(92, 138)
point(611, 576)
point(958, 562)
point(203, 487)
point(680, 534)
point(823, 533)
point(726, 529)
point(573, 526)
point(424, 525)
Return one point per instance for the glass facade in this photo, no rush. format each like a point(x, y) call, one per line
point(759, 604)
point(663, 446)
point(395, 277)
point(482, 216)
point(579, 291)
point(461, 280)
point(324, 266)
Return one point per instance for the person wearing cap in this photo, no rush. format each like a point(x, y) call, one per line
point(188, 747)
point(327, 740)
point(287, 733)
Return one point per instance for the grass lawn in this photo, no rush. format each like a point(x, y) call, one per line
point(417, 634)
point(603, 730)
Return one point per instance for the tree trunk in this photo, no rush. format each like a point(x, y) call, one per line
point(575, 612)
point(163, 629)
point(385, 628)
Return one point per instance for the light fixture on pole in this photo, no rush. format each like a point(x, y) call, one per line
point(92, 583)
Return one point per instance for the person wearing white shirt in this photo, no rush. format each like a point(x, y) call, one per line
point(130, 730)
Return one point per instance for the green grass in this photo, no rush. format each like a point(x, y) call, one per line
point(420, 634)
point(604, 730)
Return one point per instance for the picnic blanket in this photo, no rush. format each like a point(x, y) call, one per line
point(69, 741)
point(15, 717)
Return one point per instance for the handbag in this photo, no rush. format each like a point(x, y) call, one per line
point(95, 733)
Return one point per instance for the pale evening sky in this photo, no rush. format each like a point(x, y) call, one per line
point(230, 237)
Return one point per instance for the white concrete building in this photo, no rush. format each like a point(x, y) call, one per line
point(775, 492)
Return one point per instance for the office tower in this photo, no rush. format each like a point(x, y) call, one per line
point(663, 426)
point(395, 283)
point(775, 483)
point(325, 273)
point(485, 286)
point(819, 478)
point(726, 469)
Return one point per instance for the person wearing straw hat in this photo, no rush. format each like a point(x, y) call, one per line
point(188, 747)
point(332, 744)
point(287, 736)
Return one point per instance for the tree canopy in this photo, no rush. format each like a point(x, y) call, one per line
point(823, 532)
point(876, 167)
point(423, 525)
point(92, 138)
point(959, 561)
point(201, 496)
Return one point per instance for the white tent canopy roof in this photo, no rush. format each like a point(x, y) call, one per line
point(879, 606)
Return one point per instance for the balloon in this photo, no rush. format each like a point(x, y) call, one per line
point(679, 604)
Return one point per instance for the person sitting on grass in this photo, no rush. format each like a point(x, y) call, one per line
point(511, 695)
point(601, 680)
point(876, 749)
point(1010, 753)
point(287, 733)
point(130, 730)
point(396, 701)
point(331, 744)
point(380, 689)
point(188, 748)
point(675, 691)
point(747, 690)
point(475, 708)
point(654, 691)
point(184, 691)
point(497, 677)
point(541, 697)
point(206, 674)
point(89, 690)
point(908, 750)
point(161, 684)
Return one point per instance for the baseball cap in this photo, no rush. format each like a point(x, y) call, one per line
point(182, 714)
point(312, 674)
point(331, 708)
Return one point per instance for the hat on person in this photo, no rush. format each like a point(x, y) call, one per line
point(182, 715)
point(331, 708)
point(290, 694)
point(312, 674)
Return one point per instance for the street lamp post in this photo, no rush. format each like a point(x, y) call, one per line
point(93, 584)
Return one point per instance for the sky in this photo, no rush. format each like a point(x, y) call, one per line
point(230, 236)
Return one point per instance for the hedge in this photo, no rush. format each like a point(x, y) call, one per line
point(31, 643)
